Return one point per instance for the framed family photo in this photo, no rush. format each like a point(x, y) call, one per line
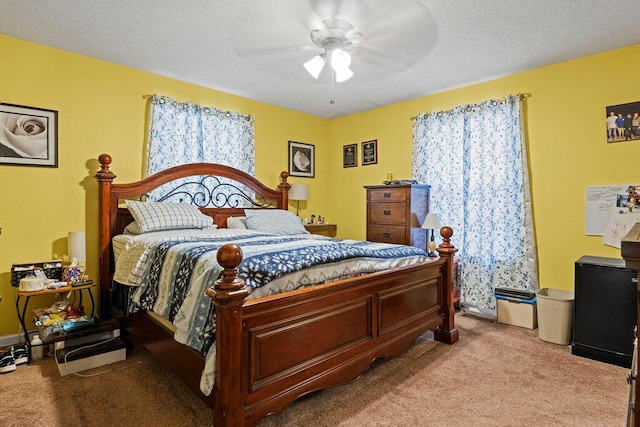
point(623, 122)
point(29, 136)
point(301, 159)
point(350, 155)
point(370, 152)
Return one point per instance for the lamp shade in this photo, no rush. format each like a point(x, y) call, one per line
point(432, 221)
point(299, 192)
point(314, 66)
point(77, 246)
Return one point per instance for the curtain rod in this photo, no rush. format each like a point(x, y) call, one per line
point(522, 96)
point(246, 116)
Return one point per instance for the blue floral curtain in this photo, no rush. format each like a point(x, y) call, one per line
point(474, 158)
point(182, 132)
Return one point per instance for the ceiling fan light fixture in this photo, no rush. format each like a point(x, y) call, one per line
point(334, 36)
point(343, 74)
point(314, 66)
point(340, 59)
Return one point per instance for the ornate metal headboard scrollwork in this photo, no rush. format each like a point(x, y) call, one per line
point(211, 191)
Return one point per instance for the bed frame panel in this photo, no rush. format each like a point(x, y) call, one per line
point(272, 350)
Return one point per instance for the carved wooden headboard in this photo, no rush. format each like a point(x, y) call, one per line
point(113, 217)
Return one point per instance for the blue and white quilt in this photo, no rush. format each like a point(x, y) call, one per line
point(172, 270)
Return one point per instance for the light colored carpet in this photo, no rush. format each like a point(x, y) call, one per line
point(496, 375)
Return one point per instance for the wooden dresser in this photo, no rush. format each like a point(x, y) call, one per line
point(395, 214)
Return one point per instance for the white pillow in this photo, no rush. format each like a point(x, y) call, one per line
point(154, 216)
point(132, 228)
point(274, 221)
point(237, 222)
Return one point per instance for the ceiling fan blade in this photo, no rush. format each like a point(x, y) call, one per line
point(266, 51)
point(326, 9)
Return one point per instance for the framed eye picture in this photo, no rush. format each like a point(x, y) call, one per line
point(350, 155)
point(370, 152)
point(301, 159)
point(30, 136)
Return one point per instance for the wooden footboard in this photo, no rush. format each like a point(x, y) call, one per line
point(287, 345)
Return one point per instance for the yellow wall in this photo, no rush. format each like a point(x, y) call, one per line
point(101, 110)
point(568, 150)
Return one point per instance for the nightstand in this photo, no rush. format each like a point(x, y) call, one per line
point(325, 229)
point(22, 309)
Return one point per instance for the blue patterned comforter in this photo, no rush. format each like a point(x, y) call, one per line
point(175, 272)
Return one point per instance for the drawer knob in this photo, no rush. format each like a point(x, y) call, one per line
point(387, 212)
point(386, 235)
point(387, 195)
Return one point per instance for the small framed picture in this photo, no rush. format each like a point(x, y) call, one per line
point(370, 152)
point(301, 159)
point(29, 137)
point(623, 121)
point(350, 155)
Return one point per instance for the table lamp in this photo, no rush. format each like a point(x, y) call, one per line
point(432, 222)
point(299, 192)
point(77, 246)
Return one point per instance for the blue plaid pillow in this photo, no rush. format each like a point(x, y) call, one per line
point(154, 216)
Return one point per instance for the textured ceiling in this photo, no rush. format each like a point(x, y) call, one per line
point(255, 48)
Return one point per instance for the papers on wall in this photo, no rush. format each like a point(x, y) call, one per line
point(618, 226)
point(601, 202)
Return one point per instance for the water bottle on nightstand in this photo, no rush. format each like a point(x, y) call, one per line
point(36, 347)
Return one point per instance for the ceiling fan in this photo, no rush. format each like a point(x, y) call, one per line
point(335, 37)
point(379, 38)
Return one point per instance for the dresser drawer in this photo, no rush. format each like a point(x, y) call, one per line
point(386, 233)
point(388, 213)
point(388, 195)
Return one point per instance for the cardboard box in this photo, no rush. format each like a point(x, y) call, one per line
point(523, 313)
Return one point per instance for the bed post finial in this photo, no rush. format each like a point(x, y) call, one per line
point(446, 232)
point(104, 174)
point(229, 257)
point(105, 161)
point(448, 332)
point(228, 295)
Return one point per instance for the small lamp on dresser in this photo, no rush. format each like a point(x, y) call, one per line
point(299, 192)
point(431, 222)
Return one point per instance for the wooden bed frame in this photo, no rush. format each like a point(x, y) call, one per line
point(272, 350)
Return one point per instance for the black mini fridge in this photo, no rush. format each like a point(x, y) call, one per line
point(605, 310)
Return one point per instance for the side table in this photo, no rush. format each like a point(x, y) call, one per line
point(325, 229)
point(22, 309)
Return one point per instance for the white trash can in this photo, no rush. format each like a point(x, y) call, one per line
point(555, 315)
